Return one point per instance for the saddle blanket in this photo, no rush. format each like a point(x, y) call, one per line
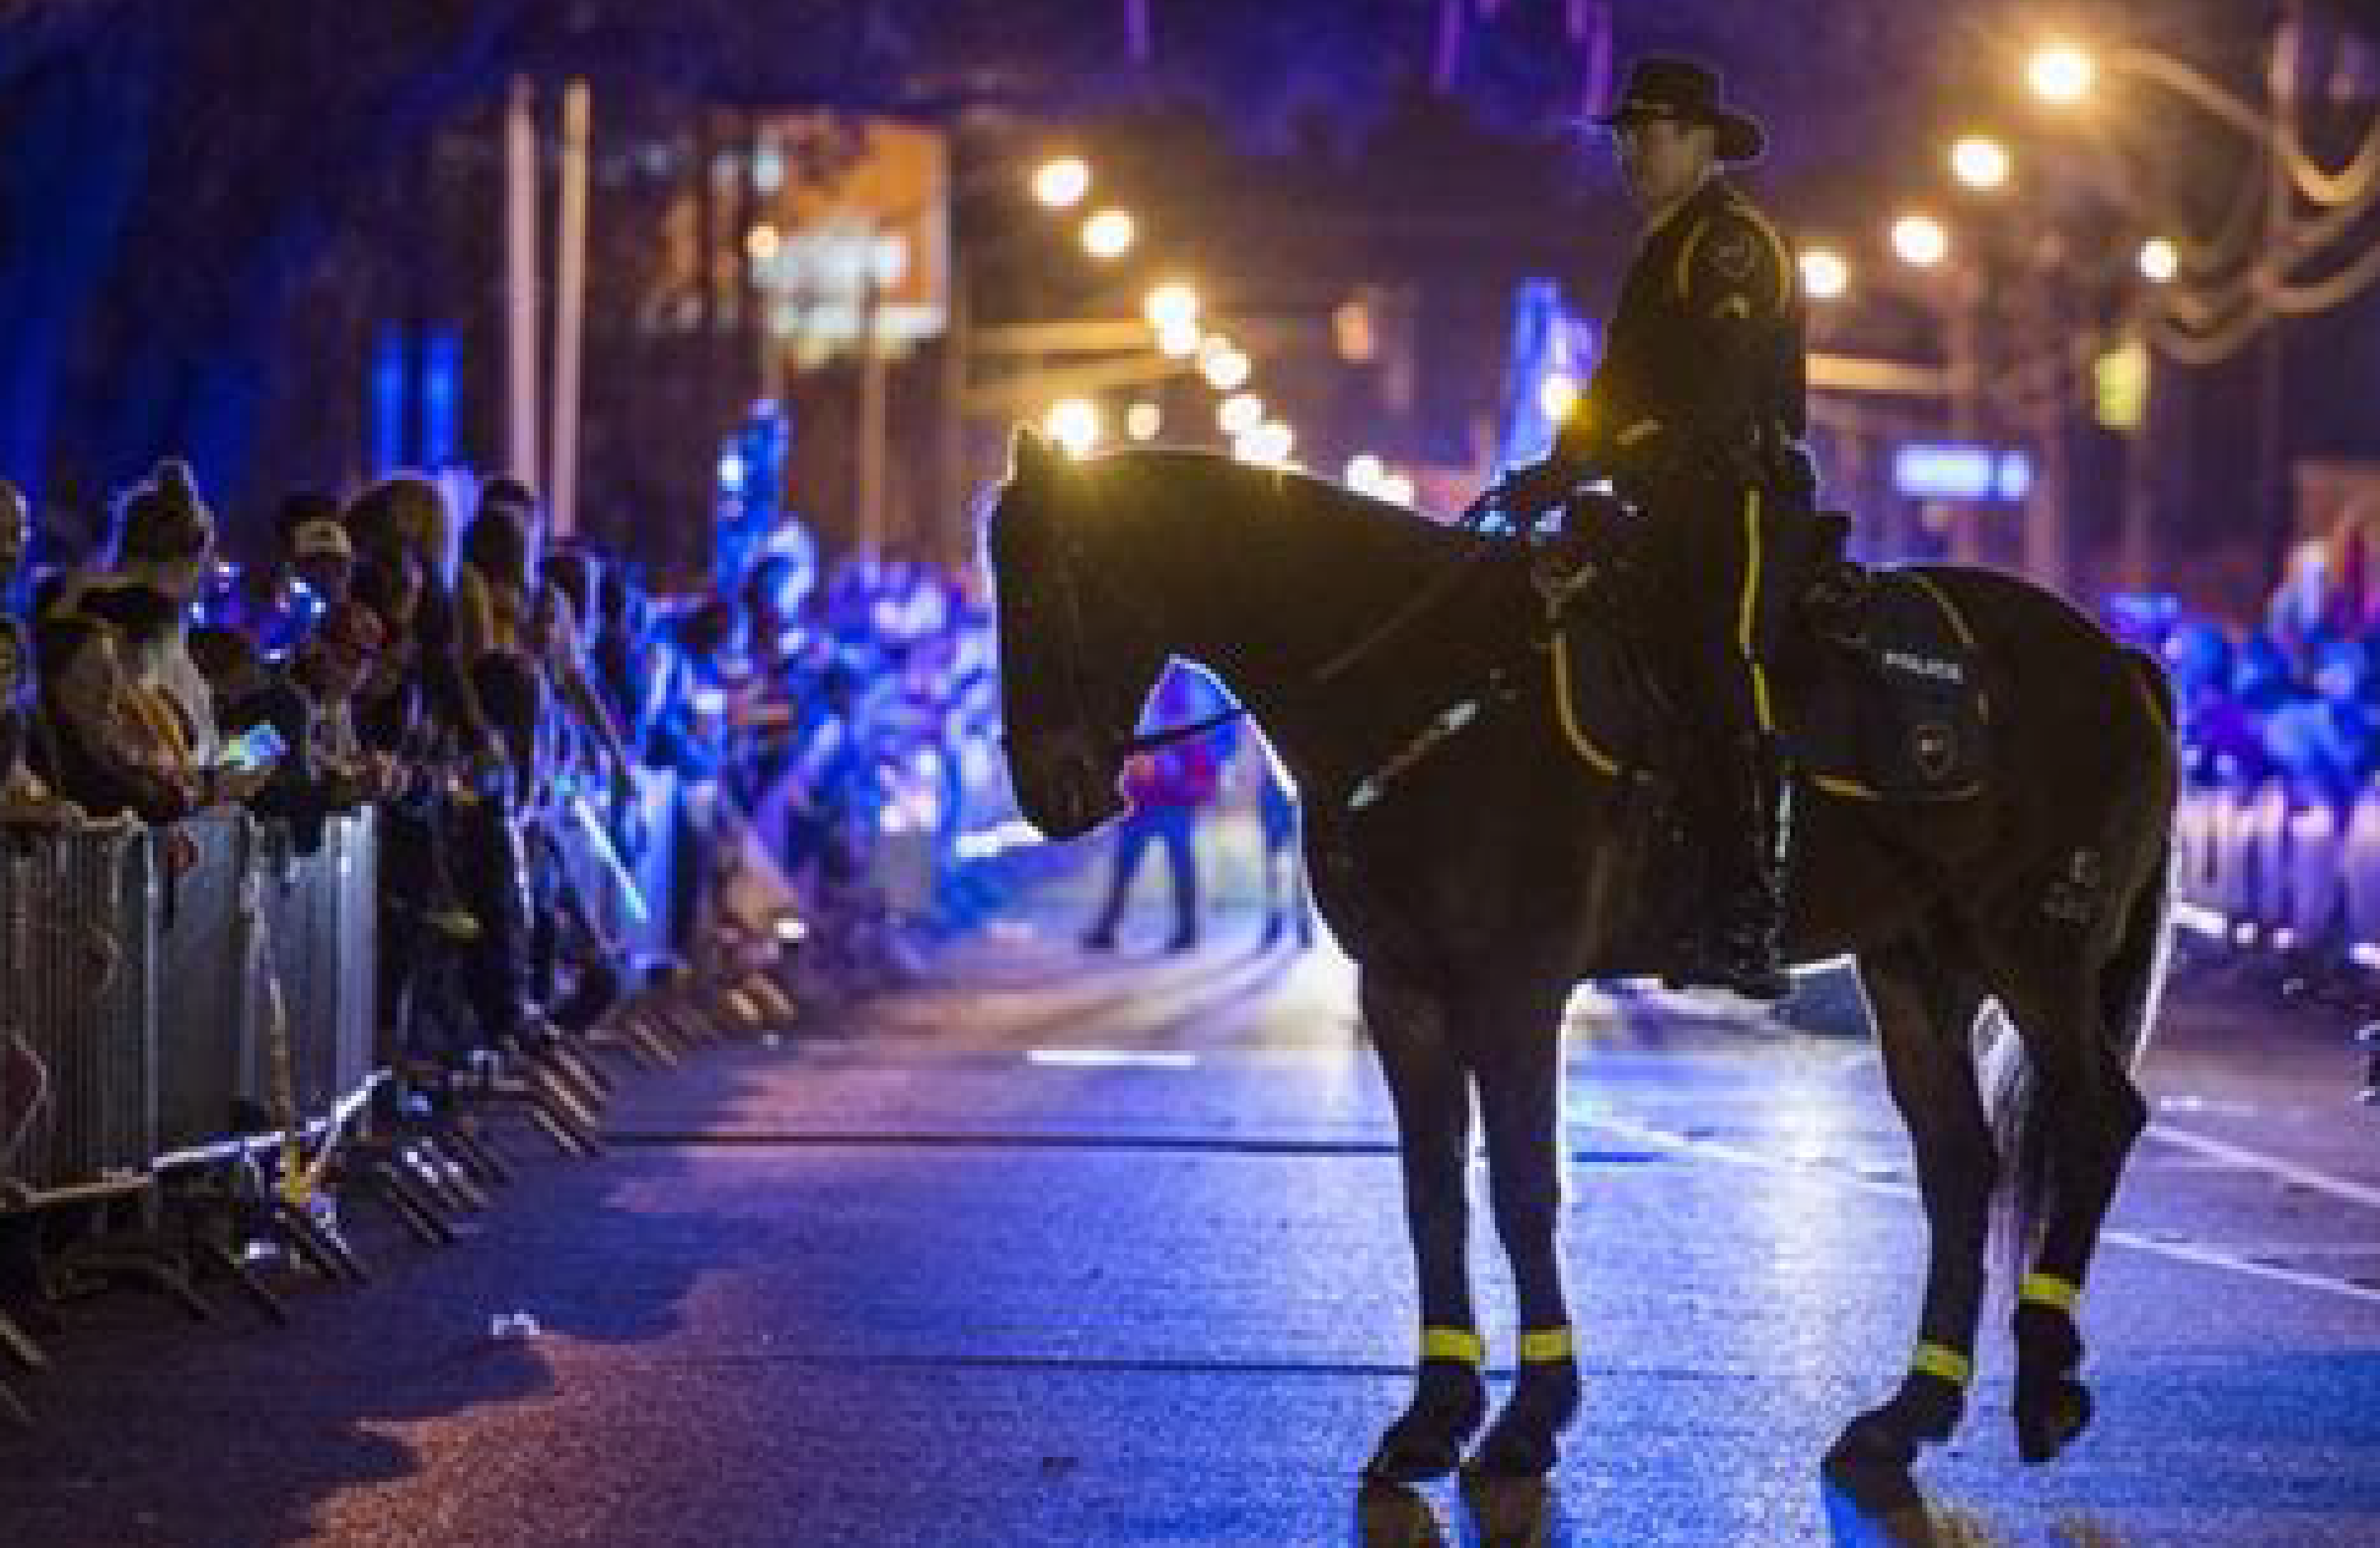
point(1882, 704)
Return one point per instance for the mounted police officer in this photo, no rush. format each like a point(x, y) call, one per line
point(1696, 415)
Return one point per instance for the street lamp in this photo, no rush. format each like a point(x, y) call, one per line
point(2160, 261)
point(1920, 240)
point(1980, 162)
point(1062, 181)
point(1074, 423)
point(1173, 305)
point(1825, 275)
point(2060, 73)
point(1107, 233)
point(1223, 364)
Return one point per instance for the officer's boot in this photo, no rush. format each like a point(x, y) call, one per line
point(1744, 951)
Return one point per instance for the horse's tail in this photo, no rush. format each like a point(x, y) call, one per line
point(2130, 986)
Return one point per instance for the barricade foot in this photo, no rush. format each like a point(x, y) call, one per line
point(398, 1191)
point(327, 1251)
point(565, 1079)
point(559, 1099)
point(551, 1117)
point(21, 1346)
point(447, 1183)
point(477, 1154)
point(659, 1051)
point(224, 1260)
point(154, 1271)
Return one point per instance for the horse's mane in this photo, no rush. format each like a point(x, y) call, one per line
point(1230, 486)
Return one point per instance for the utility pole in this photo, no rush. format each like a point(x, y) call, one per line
point(2273, 503)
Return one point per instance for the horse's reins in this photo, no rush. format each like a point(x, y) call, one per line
point(1414, 606)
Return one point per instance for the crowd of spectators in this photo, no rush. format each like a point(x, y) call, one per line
point(489, 692)
point(2295, 698)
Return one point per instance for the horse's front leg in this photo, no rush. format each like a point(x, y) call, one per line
point(1518, 1057)
point(1427, 1084)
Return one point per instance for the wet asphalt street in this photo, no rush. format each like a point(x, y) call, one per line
point(935, 1274)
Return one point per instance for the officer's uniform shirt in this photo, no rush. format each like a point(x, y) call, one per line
point(1704, 358)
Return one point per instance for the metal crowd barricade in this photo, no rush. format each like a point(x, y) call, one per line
point(206, 1017)
point(77, 984)
point(640, 928)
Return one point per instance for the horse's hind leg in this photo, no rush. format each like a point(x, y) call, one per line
point(1520, 1103)
point(1429, 1087)
point(1924, 1004)
point(2073, 1131)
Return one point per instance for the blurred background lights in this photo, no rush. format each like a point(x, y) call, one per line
point(1074, 423)
point(1980, 162)
point(1825, 275)
point(1240, 413)
point(1173, 305)
point(1062, 182)
point(2060, 73)
point(2160, 261)
point(1107, 233)
point(1556, 394)
point(1921, 240)
point(1143, 420)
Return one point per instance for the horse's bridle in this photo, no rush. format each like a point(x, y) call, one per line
point(1070, 552)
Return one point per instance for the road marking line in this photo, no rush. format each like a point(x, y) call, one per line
point(2258, 1161)
point(2184, 1252)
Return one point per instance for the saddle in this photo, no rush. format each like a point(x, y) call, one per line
point(1875, 673)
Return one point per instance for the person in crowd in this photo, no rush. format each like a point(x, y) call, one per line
point(308, 569)
point(165, 542)
point(83, 747)
point(16, 548)
point(1287, 905)
point(399, 526)
point(1167, 787)
point(2322, 741)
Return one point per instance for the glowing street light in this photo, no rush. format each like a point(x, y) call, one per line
point(1143, 420)
point(1062, 182)
point(1921, 240)
point(1980, 162)
point(1223, 364)
point(1178, 341)
point(1825, 275)
point(1107, 233)
point(1268, 444)
point(2060, 73)
point(1364, 473)
point(1173, 305)
point(2160, 261)
point(1074, 423)
point(1240, 413)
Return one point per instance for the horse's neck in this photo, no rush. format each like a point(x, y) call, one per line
point(1270, 599)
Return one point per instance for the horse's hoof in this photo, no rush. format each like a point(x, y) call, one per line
point(2048, 1418)
point(1869, 1465)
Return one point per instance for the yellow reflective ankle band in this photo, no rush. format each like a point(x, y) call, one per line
point(1940, 1359)
point(2048, 1289)
point(1545, 1345)
point(1452, 1344)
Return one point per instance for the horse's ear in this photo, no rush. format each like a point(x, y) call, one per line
point(1029, 455)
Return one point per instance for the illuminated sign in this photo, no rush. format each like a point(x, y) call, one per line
point(1933, 471)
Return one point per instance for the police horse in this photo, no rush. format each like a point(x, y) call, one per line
point(1484, 832)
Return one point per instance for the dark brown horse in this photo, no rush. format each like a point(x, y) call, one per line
point(1496, 872)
